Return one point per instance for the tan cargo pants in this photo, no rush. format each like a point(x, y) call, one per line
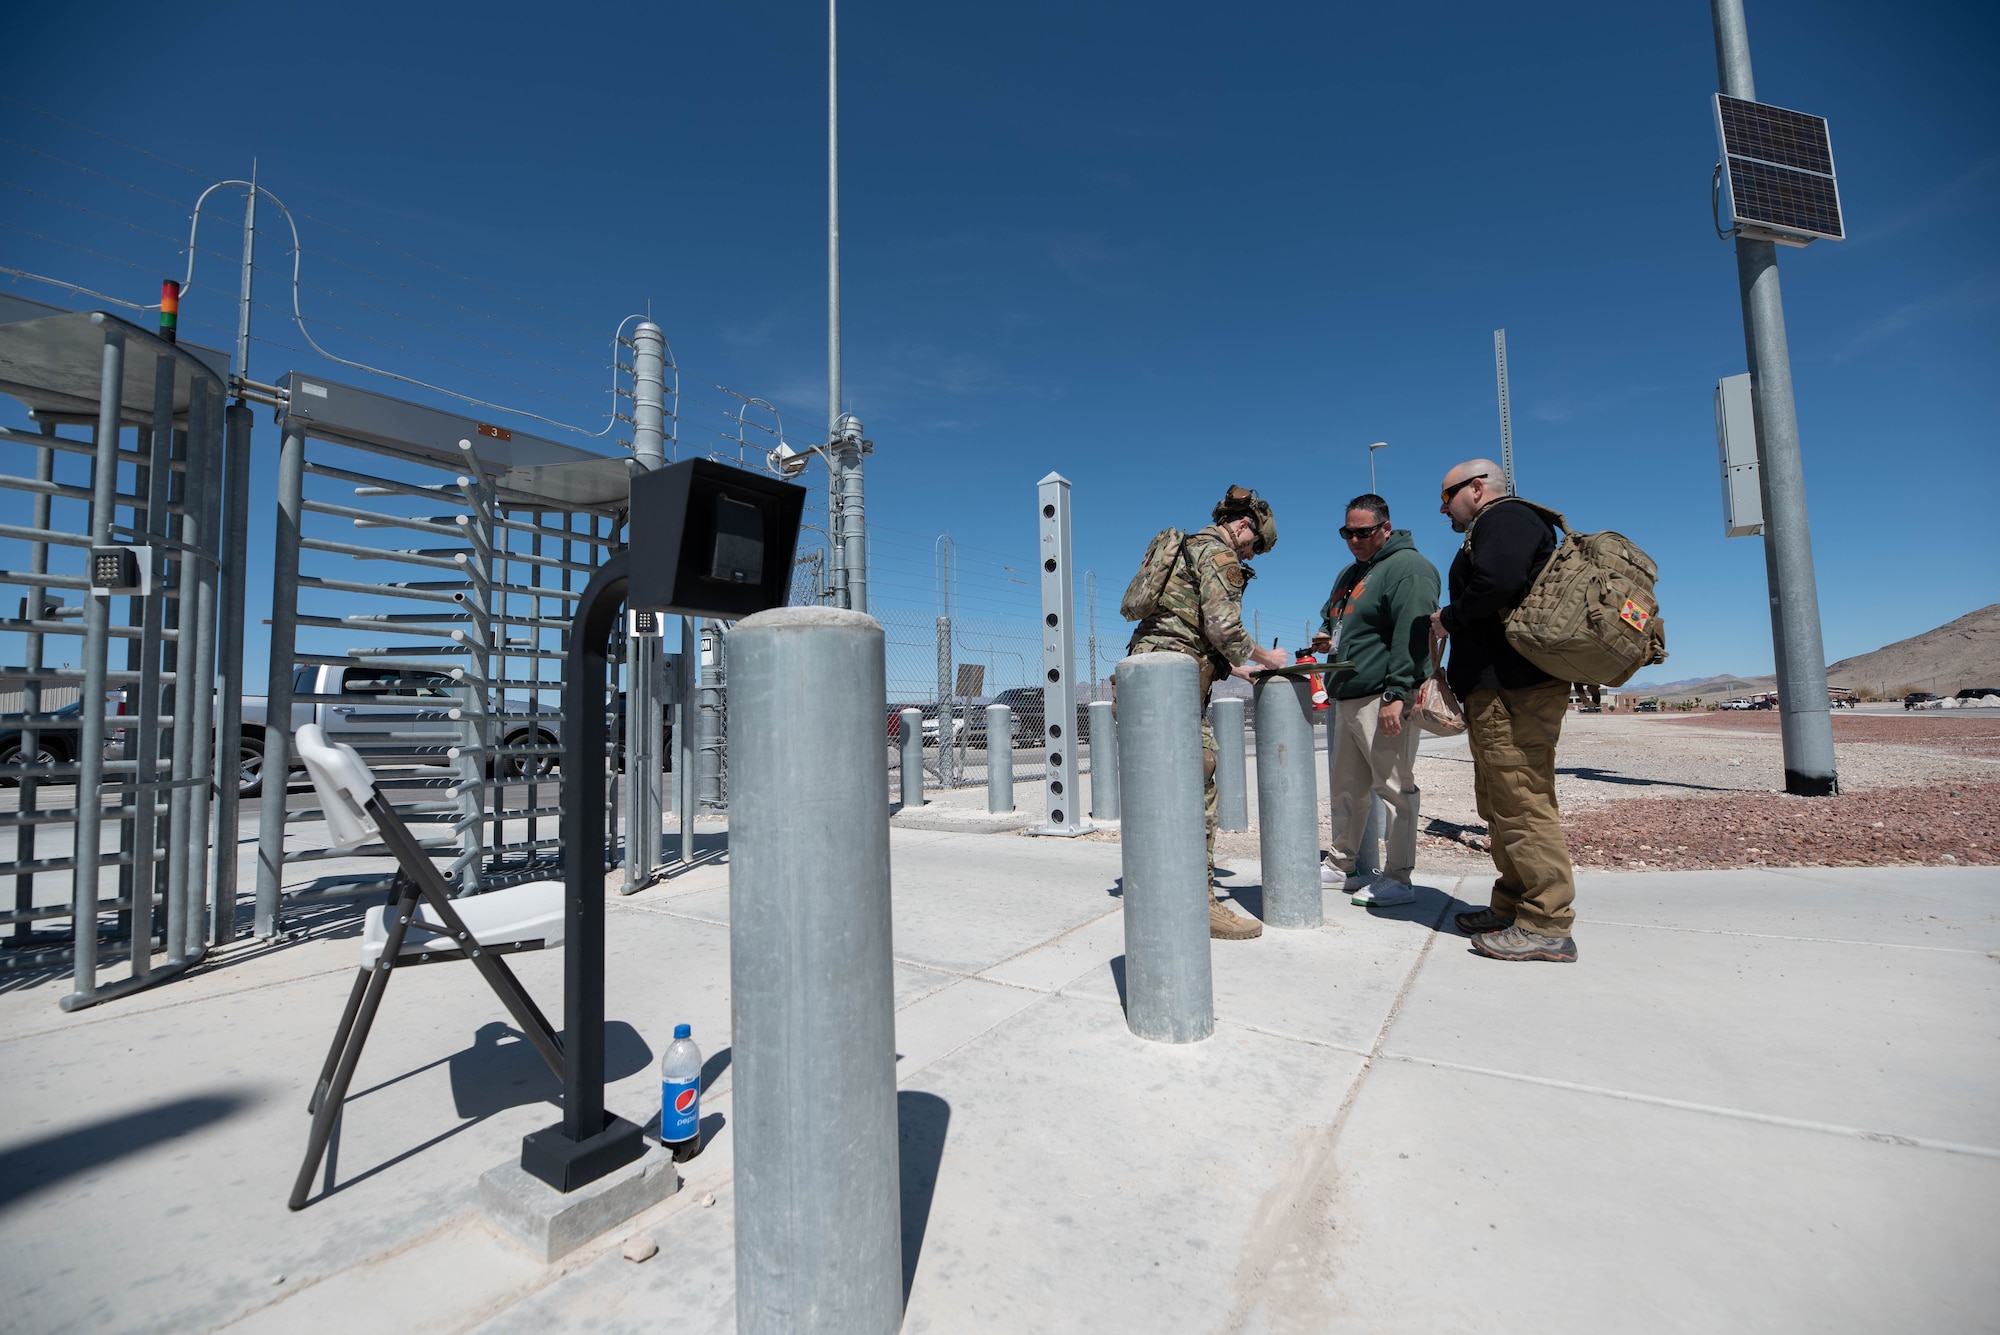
point(1365, 761)
point(1513, 735)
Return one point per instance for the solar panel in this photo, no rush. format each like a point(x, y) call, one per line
point(1780, 167)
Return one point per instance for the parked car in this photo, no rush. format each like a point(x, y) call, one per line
point(1027, 707)
point(1917, 699)
point(1979, 693)
point(1646, 707)
point(56, 744)
point(381, 699)
point(930, 713)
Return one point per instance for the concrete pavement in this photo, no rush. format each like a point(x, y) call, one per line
point(1762, 1100)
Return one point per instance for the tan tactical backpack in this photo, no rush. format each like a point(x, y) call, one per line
point(1590, 617)
point(1156, 567)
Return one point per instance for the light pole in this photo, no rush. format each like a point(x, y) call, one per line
point(1378, 445)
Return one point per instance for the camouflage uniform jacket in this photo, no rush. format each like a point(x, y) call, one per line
point(1201, 610)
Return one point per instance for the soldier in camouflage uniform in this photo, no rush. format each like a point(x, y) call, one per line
point(1200, 614)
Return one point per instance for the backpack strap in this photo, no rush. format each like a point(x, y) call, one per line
point(1551, 517)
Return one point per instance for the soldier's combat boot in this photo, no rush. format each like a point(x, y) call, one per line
point(1224, 925)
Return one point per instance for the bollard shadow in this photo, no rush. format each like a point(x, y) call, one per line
point(922, 1121)
point(1118, 978)
point(712, 1069)
point(1117, 890)
point(1251, 897)
point(35, 1165)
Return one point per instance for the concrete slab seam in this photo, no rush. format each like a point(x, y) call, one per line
point(970, 1039)
point(1275, 1218)
point(1713, 1110)
point(294, 1288)
point(1780, 936)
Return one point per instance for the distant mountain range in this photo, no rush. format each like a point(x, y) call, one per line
point(1960, 653)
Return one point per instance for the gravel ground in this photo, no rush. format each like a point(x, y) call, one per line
point(1707, 790)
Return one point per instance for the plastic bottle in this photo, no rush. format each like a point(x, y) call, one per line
point(680, 1095)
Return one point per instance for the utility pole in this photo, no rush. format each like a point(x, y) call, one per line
point(1805, 722)
point(1506, 409)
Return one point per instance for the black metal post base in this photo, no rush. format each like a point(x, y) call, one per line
point(567, 1164)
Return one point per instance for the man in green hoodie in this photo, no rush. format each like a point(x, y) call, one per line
point(1378, 618)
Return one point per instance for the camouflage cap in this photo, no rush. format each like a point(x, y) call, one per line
point(1243, 503)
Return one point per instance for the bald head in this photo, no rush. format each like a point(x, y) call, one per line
point(1469, 488)
point(1496, 477)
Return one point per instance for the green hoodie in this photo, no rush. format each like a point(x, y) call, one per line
point(1383, 608)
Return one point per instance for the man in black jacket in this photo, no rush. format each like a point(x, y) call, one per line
point(1515, 712)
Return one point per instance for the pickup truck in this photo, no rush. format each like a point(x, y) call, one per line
point(403, 715)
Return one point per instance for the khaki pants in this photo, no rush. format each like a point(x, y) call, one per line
point(1365, 760)
point(1513, 736)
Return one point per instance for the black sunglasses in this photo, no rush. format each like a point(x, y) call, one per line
point(1362, 532)
point(1456, 487)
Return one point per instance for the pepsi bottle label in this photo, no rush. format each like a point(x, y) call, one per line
point(680, 1111)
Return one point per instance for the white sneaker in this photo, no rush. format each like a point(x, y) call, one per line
point(1332, 877)
point(1384, 893)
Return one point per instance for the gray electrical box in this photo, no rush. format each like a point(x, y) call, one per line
point(1736, 441)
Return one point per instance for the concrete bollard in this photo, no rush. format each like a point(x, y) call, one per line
point(1287, 804)
point(1103, 762)
point(1169, 993)
point(910, 732)
point(818, 1201)
point(999, 759)
point(1232, 789)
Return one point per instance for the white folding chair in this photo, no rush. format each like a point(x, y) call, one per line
point(425, 925)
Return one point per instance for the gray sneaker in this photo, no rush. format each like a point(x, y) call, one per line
point(1518, 943)
point(1383, 893)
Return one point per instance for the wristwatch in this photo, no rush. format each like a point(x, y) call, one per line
point(1392, 697)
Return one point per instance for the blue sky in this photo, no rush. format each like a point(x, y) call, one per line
point(1160, 248)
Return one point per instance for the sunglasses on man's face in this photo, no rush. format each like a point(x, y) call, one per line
point(1352, 533)
point(1457, 487)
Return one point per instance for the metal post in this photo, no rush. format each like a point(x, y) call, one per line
point(709, 725)
point(208, 538)
point(1169, 991)
point(1103, 761)
point(910, 735)
point(853, 513)
point(1805, 722)
point(684, 740)
point(649, 396)
point(1058, 742)
point(229, 653)
point(836, 459)
point(31, 698)
point(249, 268)
point(1506, 409)
point(999, 759)
point(1232, 785)
point(1287, 803)
point(96, 643)
point(947, 719)
point(818, 1201)
point(278, 694)
point(145, 789)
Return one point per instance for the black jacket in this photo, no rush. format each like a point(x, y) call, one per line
point(1507, 547)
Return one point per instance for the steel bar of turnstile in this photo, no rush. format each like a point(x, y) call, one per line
point(229, 652)
point(818, 1204)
